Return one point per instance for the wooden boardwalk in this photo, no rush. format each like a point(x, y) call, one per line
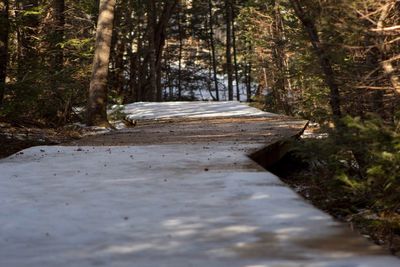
point(174, 191)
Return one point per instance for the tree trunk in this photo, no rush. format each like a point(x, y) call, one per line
point(116, 79)
point(56, 53)
point(4, 31)
point(159, 41)
point(58, 21)
point(213, 55)
point(169, 90)
point(248, 69)
point(131, 56)
point(27, 32)
point(152, 62)
point(180, 57)
point(97, 101)
point(323, 58)
point(279, 60)
point(158, 80)
point(248, 83)
point(138, 64)
point(229, 67)
point(151, 20)
point(235, 55)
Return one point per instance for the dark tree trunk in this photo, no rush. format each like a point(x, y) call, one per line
point(58, 21)
point(248, 71)
point(213, 54)
point(119, 68)
point(140, 72)
point(27, 52)
point(168, 86)
point(237, 78)
point(248, 82)
point(4, 31)
point(279, 60)
point(180, 57)
point(55, 35)
point(131, 57)
point(323, 58)
point(151, 20)
point(116, 79)
point(229, 67)
point(97, 101)
point(160, 37)
point(156, 33)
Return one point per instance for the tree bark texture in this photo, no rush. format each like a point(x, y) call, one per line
point(4, 32)
point(229, 66)
point(27, 52)
point(160, 38)
point(279, 60)
point(213, 53)
point(57, 35)
point(235, 60)
point(151, 21)
point(97, 102)
point(180, 55)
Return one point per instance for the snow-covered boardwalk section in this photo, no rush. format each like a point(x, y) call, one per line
point(179, 191)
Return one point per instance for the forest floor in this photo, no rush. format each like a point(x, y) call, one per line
point(16, 138)
point(198, 198)
point(371, 225)
point(381, 228)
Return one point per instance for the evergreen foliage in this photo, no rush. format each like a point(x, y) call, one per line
point(359, 163)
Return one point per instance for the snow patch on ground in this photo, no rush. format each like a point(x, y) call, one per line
point(166, 110)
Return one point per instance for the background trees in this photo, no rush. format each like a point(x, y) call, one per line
point(316, 59)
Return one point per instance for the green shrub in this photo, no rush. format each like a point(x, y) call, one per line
point(360, 162)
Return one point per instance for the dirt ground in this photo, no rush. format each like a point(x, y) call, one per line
point(16, 138)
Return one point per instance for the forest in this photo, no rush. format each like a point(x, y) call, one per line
point(333, 62)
